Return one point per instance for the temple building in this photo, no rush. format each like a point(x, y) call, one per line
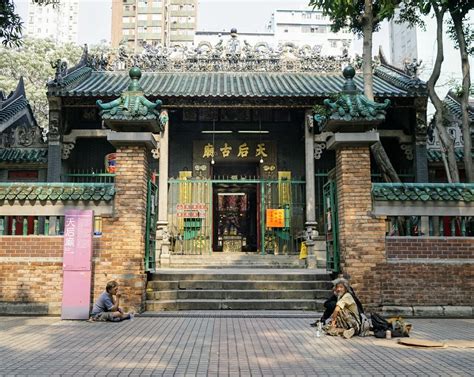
point(234, 155)
point(241, 164)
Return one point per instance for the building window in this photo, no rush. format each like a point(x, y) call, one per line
point(333, 44)
point(156, 17)
point(142, 17)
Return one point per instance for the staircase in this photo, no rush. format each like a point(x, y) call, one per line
point(235, 260)
point(237, 289)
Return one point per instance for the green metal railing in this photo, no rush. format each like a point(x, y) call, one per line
point(31, 225)
point(88, 176)
point(331, 226)
point(150, 227)
point(443, 226)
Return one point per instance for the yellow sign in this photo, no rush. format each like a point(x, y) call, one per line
point(275, 218)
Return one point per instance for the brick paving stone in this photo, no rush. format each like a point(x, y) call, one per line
point(217, 345)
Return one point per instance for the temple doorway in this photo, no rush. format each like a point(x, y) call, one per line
point(235, 207)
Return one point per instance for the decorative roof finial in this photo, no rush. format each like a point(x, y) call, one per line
point(349, 86)
point(135, 75)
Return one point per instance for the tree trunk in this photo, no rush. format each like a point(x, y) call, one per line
point(466, 84)
point(447, 143)
point(367, 27)
point(383, 162)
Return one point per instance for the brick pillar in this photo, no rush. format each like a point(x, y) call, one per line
point(361, 236)
point(122, 256)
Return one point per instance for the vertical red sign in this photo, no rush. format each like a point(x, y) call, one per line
point(77, 260)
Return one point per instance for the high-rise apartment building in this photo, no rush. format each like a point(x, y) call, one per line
point(166, 22)
point(58, 23)
point(311, 27)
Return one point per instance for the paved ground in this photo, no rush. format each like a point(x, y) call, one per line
point(223, 344)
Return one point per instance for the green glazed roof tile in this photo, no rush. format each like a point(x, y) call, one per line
point(222, 85)
point(423, 192)
point(435, 155)
point(451, 101)
point(401, 80)
point(57, 191)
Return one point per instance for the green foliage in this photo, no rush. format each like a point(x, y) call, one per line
point(32, 60)
point(459, 11)
point(10, 24)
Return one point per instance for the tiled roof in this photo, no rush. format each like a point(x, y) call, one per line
point(435, 155)
point(13, 108)
point(395, 77)
point(221, 85)
point(423, 192)
point(57, 191)
point(24, 155)
point(454, 107)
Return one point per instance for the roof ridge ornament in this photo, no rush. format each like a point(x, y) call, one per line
point(351, 110)
point(232, 55)
point(133, 106)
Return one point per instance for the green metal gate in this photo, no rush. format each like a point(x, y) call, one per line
point(191, 207)
point(288, 197)
point(331, 226)
point(150, 231)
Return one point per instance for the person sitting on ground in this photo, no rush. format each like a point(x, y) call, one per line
point(107, 308)
point(345, 319)
point(330, 305)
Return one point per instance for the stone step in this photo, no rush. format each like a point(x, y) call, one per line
point(235, 260)
point(156, 285)
point(237, 294)
point(153, 305)
point(249, 276)
point(234, 265)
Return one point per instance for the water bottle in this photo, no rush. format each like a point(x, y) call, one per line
point(388, 334)
point(318, 330)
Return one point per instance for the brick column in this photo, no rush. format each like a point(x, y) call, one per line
point(361, 236)
point(122, 256)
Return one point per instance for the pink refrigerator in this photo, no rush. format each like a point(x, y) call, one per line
point(77, 263)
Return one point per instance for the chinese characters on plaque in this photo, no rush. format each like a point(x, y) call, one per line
point(226, 150)
point(195, 210)
point(275, 218)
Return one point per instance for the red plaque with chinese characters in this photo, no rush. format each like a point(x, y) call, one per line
point(275, 218)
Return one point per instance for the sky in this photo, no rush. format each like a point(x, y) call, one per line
point(213, 15)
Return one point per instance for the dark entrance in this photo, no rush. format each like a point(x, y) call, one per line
point(235, 208)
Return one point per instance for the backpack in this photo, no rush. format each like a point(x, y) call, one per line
point(379, 325)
